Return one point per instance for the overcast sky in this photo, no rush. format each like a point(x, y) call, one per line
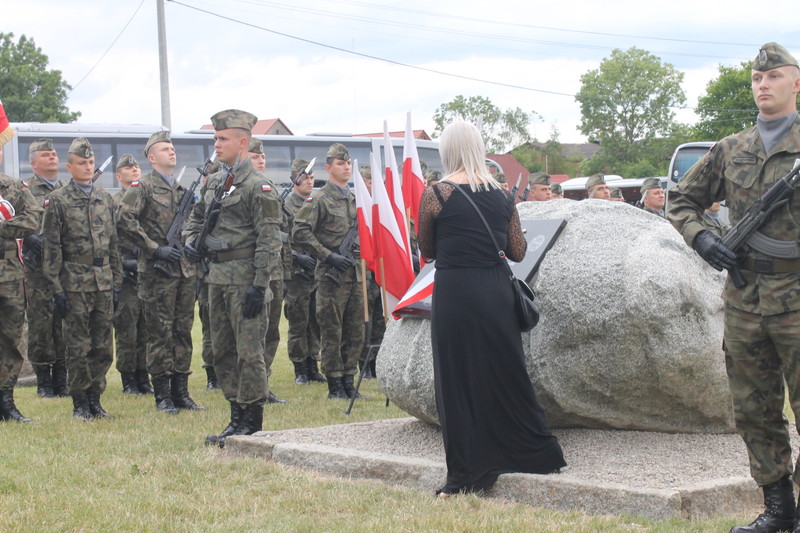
point(291, 59)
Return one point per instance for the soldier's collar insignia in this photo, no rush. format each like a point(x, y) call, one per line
point(25, 184)
point(308, 199)
point(134, 184)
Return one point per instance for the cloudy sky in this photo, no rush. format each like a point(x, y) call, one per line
point(347, 65)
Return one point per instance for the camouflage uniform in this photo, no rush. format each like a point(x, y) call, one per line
point(714, 224)
point(762, 320)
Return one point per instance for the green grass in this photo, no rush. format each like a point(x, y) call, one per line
point(147, 471)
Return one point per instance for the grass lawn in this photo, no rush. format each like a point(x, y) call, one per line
point(148, 471)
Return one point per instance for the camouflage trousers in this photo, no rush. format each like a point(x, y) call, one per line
point(300, 310)
point(238, 345)
point(377, 323)
point(45, 330)
point(273, 337)
point(12, 311)
point(760, 353)
point(130, 333)
point(340, 313)
point(205, 321)
point(168, 307)
point(88, 329)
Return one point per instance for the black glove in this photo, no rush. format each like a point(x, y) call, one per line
point(340, 262)
point(192, 253)
point(167, 253)
point(415, 263)
point(130, 265)
point(306, 262)
point(115, 296)
point(709, 246)
point(33, 242)
point(253, 301)
point(62, 305)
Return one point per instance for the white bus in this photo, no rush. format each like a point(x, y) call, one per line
point(192, 148)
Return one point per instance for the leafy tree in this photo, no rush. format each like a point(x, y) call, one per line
point(626, 105)
point(728, 105)
point(501, 130)
point(29, 91)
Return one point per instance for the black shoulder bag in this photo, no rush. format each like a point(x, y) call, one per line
point(527, 313)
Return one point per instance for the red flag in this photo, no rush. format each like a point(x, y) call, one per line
point(394, 190)
point(364, 214)
point(421, 289)
point(6, 131)
point(413, 180)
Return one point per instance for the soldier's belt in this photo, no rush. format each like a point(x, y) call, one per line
point(763, 265)
point(86, 260)
point(236, 253)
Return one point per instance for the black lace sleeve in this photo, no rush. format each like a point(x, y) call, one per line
point(517, 245)
point(433, 198)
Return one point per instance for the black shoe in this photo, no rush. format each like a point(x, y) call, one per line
point(180, 394)
point(349, 389)
point(300, 373)
point(271, 398)
point(143, 381)
point(236, 418)
point(80, 407)
point(60, 388)
point(335, 389)
point(129, 383)
point(313, 371)
point(95, 408)
point(252, 420)
point(779, 512)
point(161, 391)
point(372, 368)
point(211, 375)
point(8, 409)
point(44, 381)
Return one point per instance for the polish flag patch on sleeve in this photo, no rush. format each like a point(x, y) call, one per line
point(309, 199)
point(266, 187)
point(134, 184)
point(25, 184)
point(47, 202)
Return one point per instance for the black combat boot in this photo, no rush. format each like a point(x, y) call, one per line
point(180, 394)
point(335, 389)
point(80, 407)
point(162, 394)
point(313, 371)
point(143, 382)
point(372, 368)
point(60, 388)
point(8, 410)
point(349, 389)
point(94, 406)
point(212, 383)
point(271, 398)
point(252, 420)
point(779, 514)
point(129, 385)
point(236, 418)
point(44, 381)
point(300, 372)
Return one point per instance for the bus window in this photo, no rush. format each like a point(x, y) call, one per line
point(684, 157)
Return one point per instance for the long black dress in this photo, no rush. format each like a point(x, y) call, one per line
point(491, 421)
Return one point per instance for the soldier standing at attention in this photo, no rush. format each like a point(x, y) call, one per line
point(653, 197)
point(762, 319)
point(21, 215)
point(320, 226)
point(46, 349)
point(166, 279)
point(129, 327)
point(82, 265)
point(301, 294)
point(540, 187)
point(596, 187)
point(244, 232)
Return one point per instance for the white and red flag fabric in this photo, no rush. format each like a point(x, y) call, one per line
point(364, 213)
point(6, 131)
point(421, 289)
point(413, 180)
point(395, 190)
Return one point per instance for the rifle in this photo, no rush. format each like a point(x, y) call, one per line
point(32, 255)
point(345, 249)
point(515, 188)
point(524, 197)
point(210, 220)
point(298, 270)
point(745, 231)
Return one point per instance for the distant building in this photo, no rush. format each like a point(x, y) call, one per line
point(271, 126)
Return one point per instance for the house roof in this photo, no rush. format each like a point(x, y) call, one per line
point(512, 168)
point(418, 134)
point(270, 126)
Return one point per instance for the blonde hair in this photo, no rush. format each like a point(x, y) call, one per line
point(462, 150)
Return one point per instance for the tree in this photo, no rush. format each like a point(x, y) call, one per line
point(29, 91)
point(501, 130)
point(728, 106)
point(626, 104)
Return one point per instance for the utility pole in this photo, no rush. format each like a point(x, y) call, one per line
point(162, 63)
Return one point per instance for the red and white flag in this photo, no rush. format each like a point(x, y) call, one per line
point(364, 214)
point(394, 189)
point(6, 131)
point(421, 289)
point(413, 180)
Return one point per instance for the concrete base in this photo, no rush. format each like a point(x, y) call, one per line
point(610, 472)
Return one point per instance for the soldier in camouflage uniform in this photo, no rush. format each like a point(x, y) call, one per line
point(712, 222)
point(762, 319)
point(46, 349)
point(653, 197)
point(166, 279)
point(244, 245)
point(20, 215)
point(320, 226)
point(596, 187)
point(82, 266)
point(301, 294)
point(255, 151)
point(130, 332)
point(202, 310)
point(540, 187)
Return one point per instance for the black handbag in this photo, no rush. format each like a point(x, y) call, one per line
point(524, 304)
